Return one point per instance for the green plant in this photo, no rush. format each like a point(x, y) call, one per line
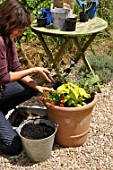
point(68, 95)
point(85, 5)
point(105, 11)
point(42, 4)
point(88, 82)
point(76, 74)
point(102, 66)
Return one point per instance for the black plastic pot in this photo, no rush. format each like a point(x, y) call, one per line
point(70, 24)
point(84, 16)
point(41, 22)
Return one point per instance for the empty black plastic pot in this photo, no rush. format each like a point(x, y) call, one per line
point(41, 22)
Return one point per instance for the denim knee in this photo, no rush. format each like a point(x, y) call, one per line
point(12, 149)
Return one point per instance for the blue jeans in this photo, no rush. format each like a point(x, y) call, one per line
point(13, 94)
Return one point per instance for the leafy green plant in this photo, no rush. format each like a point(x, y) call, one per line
point(42, 4)
point(76, 74)
point(68, 94)
point(88, 82)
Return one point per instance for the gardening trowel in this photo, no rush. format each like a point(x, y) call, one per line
point(56, 84)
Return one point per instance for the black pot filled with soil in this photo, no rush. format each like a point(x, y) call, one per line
point(37, 138)
point(84, 16)
point(70, 24)
point(41, 21)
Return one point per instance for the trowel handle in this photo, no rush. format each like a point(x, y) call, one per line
point(51, 78)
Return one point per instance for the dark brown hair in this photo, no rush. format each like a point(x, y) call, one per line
point(13, 15)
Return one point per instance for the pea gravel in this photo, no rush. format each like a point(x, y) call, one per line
point(95, 154)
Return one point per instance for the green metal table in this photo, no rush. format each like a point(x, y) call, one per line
point(90, 28)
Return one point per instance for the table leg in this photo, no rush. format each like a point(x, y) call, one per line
point(54, 59)
point(80, 49)
point(48, 52)
point(81, 53)
point(61, 51)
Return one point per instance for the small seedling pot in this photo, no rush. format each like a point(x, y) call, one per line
point(70, 24)
point(84, 16)
point(41, 21)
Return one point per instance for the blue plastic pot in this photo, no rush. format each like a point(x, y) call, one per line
point(92, 10)
point(47, 14)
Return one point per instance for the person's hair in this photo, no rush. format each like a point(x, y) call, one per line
point(13, 15)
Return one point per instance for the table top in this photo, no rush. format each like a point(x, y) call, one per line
point(82, 28)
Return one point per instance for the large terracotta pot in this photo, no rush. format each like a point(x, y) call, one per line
point(74, 122)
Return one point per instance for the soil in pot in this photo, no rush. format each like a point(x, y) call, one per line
point(56, 85)
point(37, 131)
point(84, 16)
point(70, 24)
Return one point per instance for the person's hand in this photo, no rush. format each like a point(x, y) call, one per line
point(41, 89)
point(42, 72)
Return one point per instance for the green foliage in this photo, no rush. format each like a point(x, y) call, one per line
point(29, 36)
point(87, 81)
point(105, 11)
point(1, 1)
point(76, 8)
point(68, 94)
point(43, 4)
point(30, 4)
point(74, 95)
point(102, 66)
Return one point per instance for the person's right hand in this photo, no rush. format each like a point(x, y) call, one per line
point(41, 89)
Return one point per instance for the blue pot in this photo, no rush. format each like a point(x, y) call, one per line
point(47, 14)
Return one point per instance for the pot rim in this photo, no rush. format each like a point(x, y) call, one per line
point(19, 129)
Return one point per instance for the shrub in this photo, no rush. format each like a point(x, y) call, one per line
point(102, 66)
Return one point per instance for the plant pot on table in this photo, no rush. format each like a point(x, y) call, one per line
point(41, 21)
point(70, 24)
point(84, 16)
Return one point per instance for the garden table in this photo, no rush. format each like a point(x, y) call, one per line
point(87, 29)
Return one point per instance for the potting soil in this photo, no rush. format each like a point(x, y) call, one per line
point(36, 131)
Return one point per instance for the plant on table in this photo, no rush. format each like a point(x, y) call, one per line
point(85, 4)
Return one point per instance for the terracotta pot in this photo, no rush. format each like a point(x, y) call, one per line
point(58, 3)
point(74, 122)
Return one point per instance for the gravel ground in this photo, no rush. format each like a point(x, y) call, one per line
point(95, 154)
